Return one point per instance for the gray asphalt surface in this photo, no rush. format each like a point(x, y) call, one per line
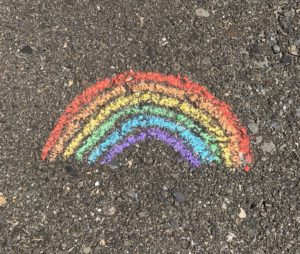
point(148, 201)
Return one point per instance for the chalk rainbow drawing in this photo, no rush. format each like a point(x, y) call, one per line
point(132, 107)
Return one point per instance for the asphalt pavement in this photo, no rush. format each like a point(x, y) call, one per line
point(148, 200)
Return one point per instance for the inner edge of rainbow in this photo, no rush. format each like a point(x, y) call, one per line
point(146, 121)
point(151, 133)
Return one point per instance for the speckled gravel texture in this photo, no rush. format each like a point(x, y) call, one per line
point(149, 201)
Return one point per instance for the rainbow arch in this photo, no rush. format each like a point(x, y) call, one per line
point(146, 105)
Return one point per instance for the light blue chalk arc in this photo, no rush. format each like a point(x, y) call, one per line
point(199, 148)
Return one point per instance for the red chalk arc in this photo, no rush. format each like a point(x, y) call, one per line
point(104, 91)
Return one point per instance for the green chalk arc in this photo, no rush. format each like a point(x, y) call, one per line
point(154, 110)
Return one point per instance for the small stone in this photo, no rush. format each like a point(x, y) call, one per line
point(127, 243)
point(81, 184)
point(251, 232)
point(200, 12)
point(293, 50)
point(129, 163)
point(163, 41)
point(164, 195)
point(289, 13)
point(206, 61)
point(179, 196)
point(147, 160)
point(86, 250)
point(26, 50)
point(262, 64)
point(259, 139)
point(132, 195)
point(286, 59)
point(253, 127)
point(224, 206)
point(2, 199)
point(184, 243)
point(64, 246)
point(141, 21)
point(276, 49)
point(285, 24)
point(97, 184)
point(102, 242)
point(110, 211)
point(66, 188)
point(230, 237)
point(164, 216)
point(268, 147)
point(70, 82)
point(142, 214)
point(275, 125)
point(242, 214)
point(238, 221)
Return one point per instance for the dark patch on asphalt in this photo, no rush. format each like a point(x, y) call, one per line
point(26, 50)
point(71, 170)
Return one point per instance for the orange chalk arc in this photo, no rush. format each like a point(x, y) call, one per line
point(89, 110)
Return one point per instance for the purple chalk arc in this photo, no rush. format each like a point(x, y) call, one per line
point(152, 133)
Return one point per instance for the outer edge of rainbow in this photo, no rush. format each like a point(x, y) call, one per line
point(86, 97)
